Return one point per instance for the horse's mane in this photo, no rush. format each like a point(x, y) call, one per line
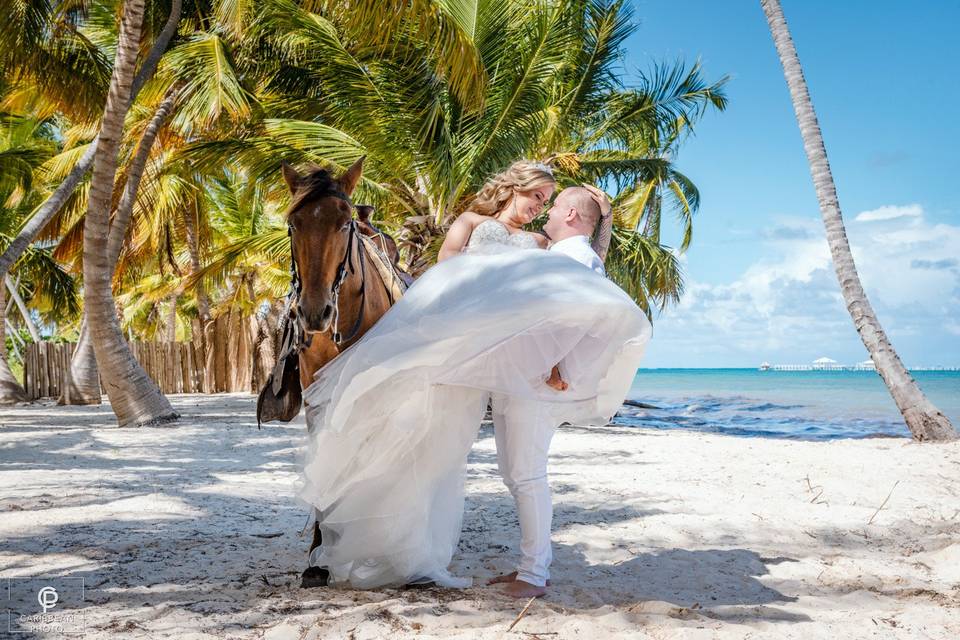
point(316, 184)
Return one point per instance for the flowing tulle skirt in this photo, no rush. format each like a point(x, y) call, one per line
point(392, 419)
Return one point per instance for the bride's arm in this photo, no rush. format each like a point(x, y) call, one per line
point(457, 236)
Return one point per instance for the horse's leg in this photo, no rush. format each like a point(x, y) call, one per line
point(321, 351)
point(317, 536)
point(315, 576)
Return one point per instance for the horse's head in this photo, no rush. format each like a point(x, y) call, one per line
point(320, 220)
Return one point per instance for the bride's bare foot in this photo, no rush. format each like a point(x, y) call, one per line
point(555, 381)
point(521, 589)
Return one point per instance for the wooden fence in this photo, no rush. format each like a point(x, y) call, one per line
point(237, 360)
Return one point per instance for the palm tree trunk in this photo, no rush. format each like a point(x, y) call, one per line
point(22, 308)
point(10, 389)
point(170, 322)
point(81, 385)
point(201, 327)
point(52, 205)
point(82, 382)
point(265, 353)
point(46, 211)
point(924, 420)
point(121, 218)
point(135, 398)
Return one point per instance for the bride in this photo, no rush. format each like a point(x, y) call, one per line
point(392, 419)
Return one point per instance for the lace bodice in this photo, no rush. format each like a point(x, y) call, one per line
point(493, 234)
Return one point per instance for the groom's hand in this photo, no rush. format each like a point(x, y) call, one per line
point(600, 198)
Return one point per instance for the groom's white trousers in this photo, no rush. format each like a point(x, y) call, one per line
point(523, 430)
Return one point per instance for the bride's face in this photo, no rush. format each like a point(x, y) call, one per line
point(527, 205)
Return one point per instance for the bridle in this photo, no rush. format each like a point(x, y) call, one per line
point(301, 338)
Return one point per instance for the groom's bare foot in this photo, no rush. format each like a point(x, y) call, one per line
point(509, 577)
point(521, 589)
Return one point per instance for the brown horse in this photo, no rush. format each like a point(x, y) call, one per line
point(341, 296)
point(338, 293)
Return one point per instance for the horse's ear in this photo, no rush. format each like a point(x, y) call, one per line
point(363, 212)
point(351, 178)
point(290, 176)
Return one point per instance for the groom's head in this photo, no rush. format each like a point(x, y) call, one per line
point(574, 213)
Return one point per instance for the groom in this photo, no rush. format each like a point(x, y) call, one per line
point(522, 427)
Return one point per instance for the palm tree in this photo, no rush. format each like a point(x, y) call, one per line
point(53, 47)
point(135, 398)
point(36, 279)
point(551, 89)
point(82, 382)
point(63, 66)
point(439, 96)
point(924, 420)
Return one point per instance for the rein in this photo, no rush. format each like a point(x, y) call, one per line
point(347, 263)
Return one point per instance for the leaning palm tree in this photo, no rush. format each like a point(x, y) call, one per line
point(25, 143)
point(52, 44)
point(81, 384)
point(924, 420)
point(37, 283)
point(135, 398)
point(60, 67)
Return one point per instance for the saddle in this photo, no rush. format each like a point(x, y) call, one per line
point(392, 277)
point(281, 396)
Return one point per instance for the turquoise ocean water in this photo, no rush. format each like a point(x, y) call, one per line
point(809, 405)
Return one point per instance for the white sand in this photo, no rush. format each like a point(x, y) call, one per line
point(656, 534)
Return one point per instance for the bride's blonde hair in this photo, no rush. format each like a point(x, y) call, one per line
point(523, 175)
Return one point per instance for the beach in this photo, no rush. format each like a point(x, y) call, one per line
point(192, 531)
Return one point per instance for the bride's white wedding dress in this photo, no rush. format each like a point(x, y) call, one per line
point(392, 419)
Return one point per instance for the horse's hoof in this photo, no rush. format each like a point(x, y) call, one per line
point(430, 584)
point(314, 577)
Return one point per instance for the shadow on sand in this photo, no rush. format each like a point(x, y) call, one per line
point(230, 552)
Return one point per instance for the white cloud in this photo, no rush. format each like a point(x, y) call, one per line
point(787, 306)
point(890, 212)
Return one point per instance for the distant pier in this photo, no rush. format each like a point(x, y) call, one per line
point(826, 364)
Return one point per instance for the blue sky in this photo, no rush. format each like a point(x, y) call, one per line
point(760, 284)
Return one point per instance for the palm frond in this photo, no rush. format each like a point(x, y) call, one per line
point(648, 271)
point(446, 27)
point(48, 287)
point(592, 74)
point(520, 85)
point(212, 89)
point(668, 97)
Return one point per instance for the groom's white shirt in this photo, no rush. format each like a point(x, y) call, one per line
point(578, 248)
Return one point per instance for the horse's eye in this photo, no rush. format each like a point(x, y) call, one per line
point(346, 225)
